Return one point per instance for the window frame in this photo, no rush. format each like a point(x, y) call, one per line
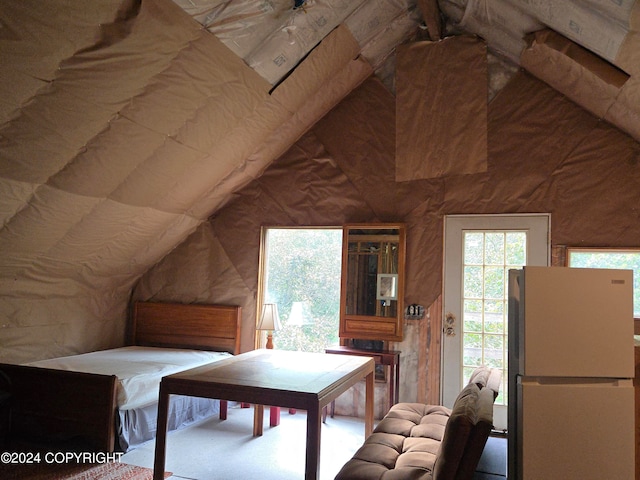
point(612, 250)
point(261, 294)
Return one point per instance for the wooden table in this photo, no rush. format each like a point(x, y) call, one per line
point(305, 381)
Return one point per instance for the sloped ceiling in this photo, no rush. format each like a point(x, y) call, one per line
point(588, 50)
point(124, 124)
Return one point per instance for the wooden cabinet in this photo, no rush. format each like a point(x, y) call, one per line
point(372, 287)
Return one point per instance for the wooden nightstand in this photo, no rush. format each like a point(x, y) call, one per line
point(390, 358)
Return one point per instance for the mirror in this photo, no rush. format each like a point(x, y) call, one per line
point(372, 281)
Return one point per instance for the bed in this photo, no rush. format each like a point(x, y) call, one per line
point(108, 399)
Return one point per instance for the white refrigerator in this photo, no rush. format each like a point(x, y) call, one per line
point(571, 368)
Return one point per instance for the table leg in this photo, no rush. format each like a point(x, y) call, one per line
point(314, 426)
point(368, 411)
point(397, 387)
point(274, 416)
point(258, 419)
point(161, 436)
point(392, 385)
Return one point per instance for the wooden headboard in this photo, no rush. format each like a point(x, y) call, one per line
point(180, 325)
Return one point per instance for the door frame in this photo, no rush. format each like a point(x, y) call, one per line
point(480, 223)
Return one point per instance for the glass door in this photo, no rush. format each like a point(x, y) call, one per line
point(479, 251)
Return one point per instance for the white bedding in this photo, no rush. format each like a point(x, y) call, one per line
point(139, 369)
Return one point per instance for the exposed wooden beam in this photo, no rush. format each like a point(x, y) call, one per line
point(431, 17)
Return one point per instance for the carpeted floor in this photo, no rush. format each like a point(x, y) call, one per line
point(216, 450)
point(226, 450)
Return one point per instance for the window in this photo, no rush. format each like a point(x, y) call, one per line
point(488, 256)
point(301, 275)
point(618, 258)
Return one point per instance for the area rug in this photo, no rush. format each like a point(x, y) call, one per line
point(104, 471)
point(114, 471)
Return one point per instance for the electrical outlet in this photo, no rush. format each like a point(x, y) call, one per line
point(414, 312)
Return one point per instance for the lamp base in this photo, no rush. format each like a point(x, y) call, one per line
point(269, 341)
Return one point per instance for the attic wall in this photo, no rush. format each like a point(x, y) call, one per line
point(545, 155)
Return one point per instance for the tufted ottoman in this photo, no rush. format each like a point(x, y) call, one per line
point(415, 441)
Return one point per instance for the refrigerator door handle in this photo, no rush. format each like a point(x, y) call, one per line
point(576, 381)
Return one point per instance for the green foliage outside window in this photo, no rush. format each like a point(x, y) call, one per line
point(624, 259)
point(304, 265)
point(487, 258)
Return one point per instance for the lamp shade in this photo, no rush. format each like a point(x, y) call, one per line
point(269, 320)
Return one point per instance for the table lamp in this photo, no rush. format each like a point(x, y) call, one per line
point(270, 321)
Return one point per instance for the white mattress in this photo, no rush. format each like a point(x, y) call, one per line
point(139, 369)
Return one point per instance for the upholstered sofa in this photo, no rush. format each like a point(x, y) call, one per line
point(430, 442)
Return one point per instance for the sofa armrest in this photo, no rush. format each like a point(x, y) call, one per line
point(456, 433)
point(478, 437)
point(469, 427)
